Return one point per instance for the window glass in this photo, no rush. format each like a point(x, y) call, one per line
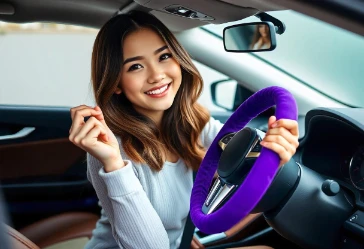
point(45, 64)
point(50, 65)
point(327, 58)
point(209, 76)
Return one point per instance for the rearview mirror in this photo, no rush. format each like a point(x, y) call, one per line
point(250, 37)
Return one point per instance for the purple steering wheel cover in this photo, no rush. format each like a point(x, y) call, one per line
point(260, 176)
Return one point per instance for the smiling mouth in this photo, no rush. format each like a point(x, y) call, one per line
point(158, 91)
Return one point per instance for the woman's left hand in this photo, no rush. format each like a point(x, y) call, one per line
point(282, 138)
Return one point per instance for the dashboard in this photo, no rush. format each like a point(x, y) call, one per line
point(334, 147)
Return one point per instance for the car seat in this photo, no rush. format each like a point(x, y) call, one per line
point(68, 230)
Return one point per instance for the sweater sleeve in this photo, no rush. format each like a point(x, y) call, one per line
point(134, 222)
point(210, 131)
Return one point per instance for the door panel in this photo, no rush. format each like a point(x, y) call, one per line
point(42, 173)
point(38, 158)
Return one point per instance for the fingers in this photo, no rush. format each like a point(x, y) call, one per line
point(195, 244)
point(75, 110)
point(289, 124)
point(91, 124)
point(284, 155)
point(271, 120)
point(100, 115)
point(277, 139)
point(282, 138)
point(92, 136)
point(78, 130)
point(285, 134)
point(79, 113)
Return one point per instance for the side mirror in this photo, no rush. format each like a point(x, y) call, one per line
point(223, 93)
point(250, 37)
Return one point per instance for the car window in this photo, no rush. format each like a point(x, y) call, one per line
point(325, 57)
point(45, 64)
point(50, 65)
point(209, 76)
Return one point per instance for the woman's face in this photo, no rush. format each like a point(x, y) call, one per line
point(263, 30)
point(151, 77)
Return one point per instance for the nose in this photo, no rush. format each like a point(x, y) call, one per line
point(156, 74)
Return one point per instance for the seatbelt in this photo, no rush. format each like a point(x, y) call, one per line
point(187, 234)
point(189, 229)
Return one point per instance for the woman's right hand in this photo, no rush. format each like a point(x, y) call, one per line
point(95, 137)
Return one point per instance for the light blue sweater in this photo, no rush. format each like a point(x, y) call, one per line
point(141, 208)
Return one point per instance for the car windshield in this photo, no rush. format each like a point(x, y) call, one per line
point(320, 55)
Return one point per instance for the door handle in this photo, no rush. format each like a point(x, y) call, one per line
point(20, 134)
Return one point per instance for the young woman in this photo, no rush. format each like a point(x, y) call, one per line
point(147, 87)
point(261, 38)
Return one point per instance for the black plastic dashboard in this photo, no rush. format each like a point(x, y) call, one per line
point(334, 147)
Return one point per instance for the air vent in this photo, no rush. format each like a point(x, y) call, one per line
point(188, 13)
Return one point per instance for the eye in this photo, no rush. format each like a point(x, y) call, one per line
point(134, 67)
point(165, 56)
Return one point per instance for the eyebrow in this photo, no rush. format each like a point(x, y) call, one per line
point(141, 57)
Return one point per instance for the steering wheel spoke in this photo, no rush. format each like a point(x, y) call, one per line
point(218, 194)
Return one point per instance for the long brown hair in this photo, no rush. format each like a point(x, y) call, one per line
point(181, 124)
point(256, 36)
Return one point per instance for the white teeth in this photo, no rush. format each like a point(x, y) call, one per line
point(158, 91)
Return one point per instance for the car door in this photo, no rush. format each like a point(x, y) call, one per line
point(41, 172)
point(45, 70)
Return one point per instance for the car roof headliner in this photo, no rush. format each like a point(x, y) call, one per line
point(94, 13)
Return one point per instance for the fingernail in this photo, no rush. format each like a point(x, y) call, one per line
point(274, 125)
point(262, 143)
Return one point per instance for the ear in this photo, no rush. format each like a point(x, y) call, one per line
point(118, 90)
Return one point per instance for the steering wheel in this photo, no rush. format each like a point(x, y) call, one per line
point(243, 188)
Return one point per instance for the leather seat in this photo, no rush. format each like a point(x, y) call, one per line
point(56, 230)
point(61, 231)
point(17, 241)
